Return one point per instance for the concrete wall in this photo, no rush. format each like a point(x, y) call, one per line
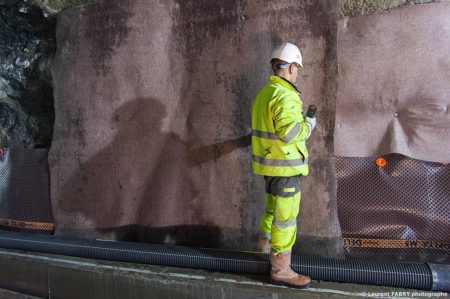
point(152, 101)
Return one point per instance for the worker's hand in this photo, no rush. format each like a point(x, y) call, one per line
point(312, 121)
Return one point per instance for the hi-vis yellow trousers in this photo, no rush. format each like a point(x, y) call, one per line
point(279, 221)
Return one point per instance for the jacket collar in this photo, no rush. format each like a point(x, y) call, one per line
point(285, 83)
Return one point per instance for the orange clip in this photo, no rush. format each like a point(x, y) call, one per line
point(381, 162)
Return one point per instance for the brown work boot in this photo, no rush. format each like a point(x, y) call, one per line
point(263, 244)
point(282, 274)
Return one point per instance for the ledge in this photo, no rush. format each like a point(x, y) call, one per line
point(53, 276)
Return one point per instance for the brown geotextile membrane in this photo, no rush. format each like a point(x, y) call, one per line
point(394, 74)
point(152, 131)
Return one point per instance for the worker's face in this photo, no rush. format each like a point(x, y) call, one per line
point(293, 68)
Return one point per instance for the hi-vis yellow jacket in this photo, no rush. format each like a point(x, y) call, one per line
point(279, 131)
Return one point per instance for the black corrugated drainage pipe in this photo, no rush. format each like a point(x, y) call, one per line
point(435, 277)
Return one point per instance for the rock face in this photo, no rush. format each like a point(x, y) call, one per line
point(346, 7)
point(26, 95)
point(364, 7)
point(52, 7)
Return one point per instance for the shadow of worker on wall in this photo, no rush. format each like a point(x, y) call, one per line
point(139, 187)
point(138, 179)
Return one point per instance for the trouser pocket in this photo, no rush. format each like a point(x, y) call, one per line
point(284, 209)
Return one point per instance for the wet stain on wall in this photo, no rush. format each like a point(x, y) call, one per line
point(203, 20)
point(108, 29)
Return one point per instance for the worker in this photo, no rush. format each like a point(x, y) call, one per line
point(279, 132)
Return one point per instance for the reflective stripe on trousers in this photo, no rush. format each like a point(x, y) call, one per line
point(279, 219)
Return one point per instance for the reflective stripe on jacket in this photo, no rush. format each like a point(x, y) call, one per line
point(279, 131)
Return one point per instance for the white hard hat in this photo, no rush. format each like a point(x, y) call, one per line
point(287, 52)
